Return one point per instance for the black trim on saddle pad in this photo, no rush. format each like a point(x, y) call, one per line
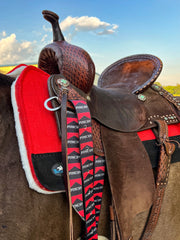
point(153, 151)
point(49, 170)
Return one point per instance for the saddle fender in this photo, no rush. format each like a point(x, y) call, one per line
point(117, 109)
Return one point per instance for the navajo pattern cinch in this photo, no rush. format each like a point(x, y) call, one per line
point(74, 164)
point(86, 170)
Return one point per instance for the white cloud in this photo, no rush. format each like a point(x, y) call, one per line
point(12, 51)
point(47, 29)
point(3, 34)
point(86, 23)
point(106, 32)
point(115, 26)
point(73, 25)
point(83, 23)
point(44, 38)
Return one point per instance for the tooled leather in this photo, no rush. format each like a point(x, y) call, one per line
point(97, 139)
point(73, 94)
point(73, 62)
point(48, 60)
point(167, 95)
point(158, 108)
point(166, 150)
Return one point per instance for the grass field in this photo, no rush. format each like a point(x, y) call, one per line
point(6, 69)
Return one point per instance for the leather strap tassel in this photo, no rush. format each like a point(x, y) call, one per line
point(112, 223)
point(64, 156)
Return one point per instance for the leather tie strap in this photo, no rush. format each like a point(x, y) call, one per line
point(166, 150)
point(64, 156)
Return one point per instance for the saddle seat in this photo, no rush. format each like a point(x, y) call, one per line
point(132, 74)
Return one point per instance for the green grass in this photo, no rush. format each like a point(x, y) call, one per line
point(6, 69)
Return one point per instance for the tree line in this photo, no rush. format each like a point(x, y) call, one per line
point(175, 90)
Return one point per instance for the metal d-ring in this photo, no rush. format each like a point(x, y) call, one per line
point(51, 109)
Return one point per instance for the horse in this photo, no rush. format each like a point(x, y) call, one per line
point(26, 214)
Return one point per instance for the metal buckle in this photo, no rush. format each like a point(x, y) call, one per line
point(51, 109)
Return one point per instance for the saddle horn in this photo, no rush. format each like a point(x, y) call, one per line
point(69, 60)
point(53, 18)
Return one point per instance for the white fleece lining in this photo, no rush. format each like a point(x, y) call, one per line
point(16, 72)
point(22, 146)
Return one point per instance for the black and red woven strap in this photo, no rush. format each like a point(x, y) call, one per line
point(86, 170)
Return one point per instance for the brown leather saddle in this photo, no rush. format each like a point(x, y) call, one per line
point(124, 103)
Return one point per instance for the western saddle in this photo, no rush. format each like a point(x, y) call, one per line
point(125, 102)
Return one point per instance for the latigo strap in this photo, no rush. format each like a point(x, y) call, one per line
point(166, 150)
point(64, 157)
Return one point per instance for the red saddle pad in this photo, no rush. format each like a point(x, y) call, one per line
point(39, 143)
point(149, 141)
point(40, 147)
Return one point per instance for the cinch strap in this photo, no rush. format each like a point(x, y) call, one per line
point(86, 170)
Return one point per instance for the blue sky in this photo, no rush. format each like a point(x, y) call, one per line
point(108, 30)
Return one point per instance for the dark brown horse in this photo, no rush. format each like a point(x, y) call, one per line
point(24, 213)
